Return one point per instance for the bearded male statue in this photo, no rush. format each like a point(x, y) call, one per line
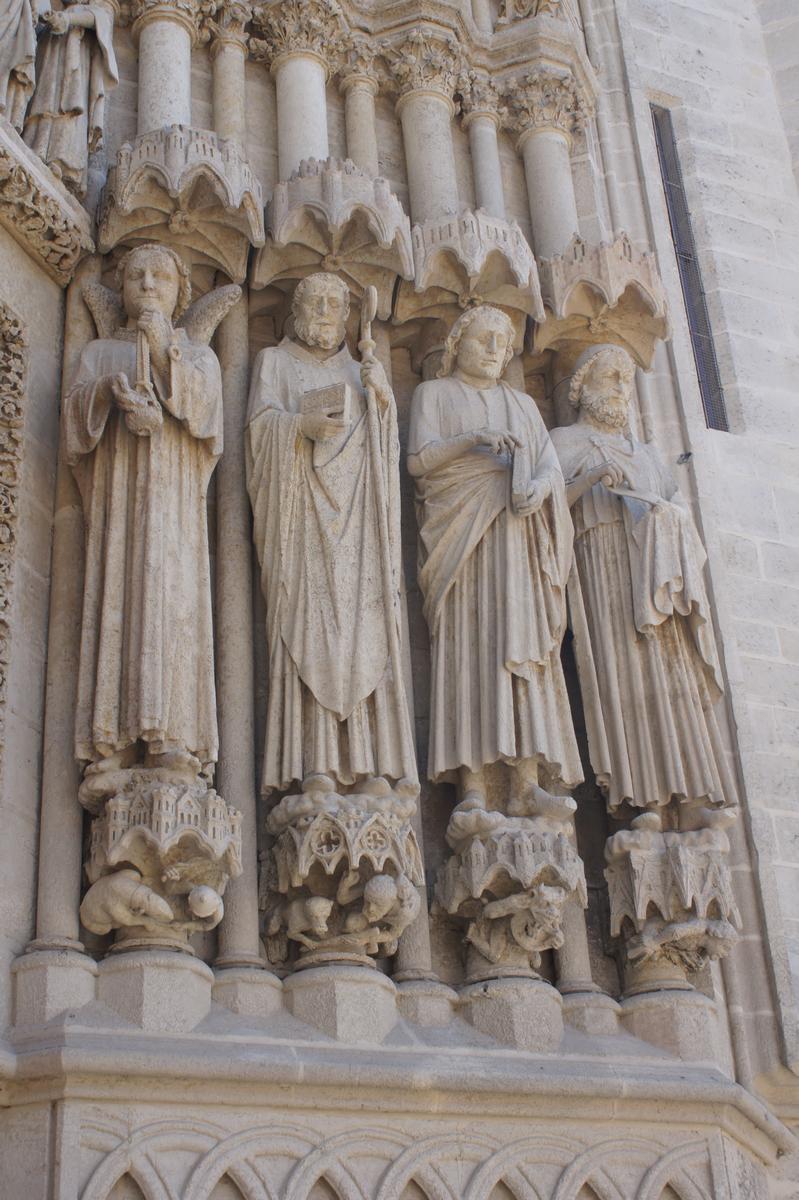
point(323, 478)
point(644, 643)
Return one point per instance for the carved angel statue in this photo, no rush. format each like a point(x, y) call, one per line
point(143, 432)
point(495, 551)
point(644, 642)
point(75, 68)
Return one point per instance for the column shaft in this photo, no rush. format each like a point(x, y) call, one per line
point(359, 118)
point(486, 168)
point(430, 159)
point(164, 92)
point(301, 111)
point(230, 107)
point(235, 774)
point(61, 817)
point(572, 961)
point(550, 190)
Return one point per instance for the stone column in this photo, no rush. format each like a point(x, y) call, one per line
point(424, 68)
point(228, 57)
point(359, 86)
point(546, 108)
point(480, 104)
point(300, 40)
point(166, 31)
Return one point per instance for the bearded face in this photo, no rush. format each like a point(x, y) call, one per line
point(607, 390)
point(320, 312)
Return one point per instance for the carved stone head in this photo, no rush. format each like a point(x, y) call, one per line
point(480, 345)
point(153, 278)
point(602, 385)
point(320, 308)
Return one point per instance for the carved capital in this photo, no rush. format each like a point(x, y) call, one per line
point(309, 27)
point(225, 24)
point(480, 97)
point(183, 12)
point(358, 64)
point(517, 10)
point(428, 60)
point(546, 97)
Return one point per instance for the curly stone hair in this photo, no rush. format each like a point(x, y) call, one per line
point(459, 329)
point(586, 361)
point(184, 279)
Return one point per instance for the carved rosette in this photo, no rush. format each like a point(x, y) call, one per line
point(162, 850)
point(13, 374)
point(671, 898)
point(190, 188)
point(335, 217)
point(341, 880)
point(309, 27)
point(509, 879)
point(427, 60)
point(606, 293)
point(547, 97)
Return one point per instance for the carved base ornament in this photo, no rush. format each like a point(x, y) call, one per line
point(341, 879)
point(671, 897)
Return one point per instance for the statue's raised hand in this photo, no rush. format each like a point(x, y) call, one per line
point(142, 411)
point(499, 443)
point(57, 22)
point(158, 331)
point(373, 376)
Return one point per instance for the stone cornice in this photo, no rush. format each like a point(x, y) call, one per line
point(427, 59)
point(546, 98)
point(49, 223)
point(307, 27)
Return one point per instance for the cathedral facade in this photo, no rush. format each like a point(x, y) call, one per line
point(399, 600)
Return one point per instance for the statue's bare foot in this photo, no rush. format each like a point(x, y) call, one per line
point(318, 784)
point(538, 803)
point(374, 785)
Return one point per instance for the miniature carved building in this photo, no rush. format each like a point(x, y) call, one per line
point(399, 600)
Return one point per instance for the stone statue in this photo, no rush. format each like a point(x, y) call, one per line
point(644, 641)
point(75, 69)
point(17, 58)
point(143, 431)
point(323, 477)
point(495, 550)
point(496, 544)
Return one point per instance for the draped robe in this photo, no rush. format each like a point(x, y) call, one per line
point(147, 657)
point(337, 701)
point(17, 59)
point(494, 588)
point(644, 643)
point(74, 71)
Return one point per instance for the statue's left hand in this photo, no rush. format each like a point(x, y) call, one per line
point(373, 376)
point(57, 21)
point(158, 331)
point(537, 494)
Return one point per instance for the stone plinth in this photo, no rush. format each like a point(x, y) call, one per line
point(159, 992)
point(48, 982)
point(348, 1003)
point(248, 990)
point(524, 1013)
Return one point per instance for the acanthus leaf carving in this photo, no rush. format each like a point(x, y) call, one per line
point(315, 27)
point(426, 60)
point(480, 94)
point(547, 97)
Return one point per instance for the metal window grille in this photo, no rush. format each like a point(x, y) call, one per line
point(707, 367)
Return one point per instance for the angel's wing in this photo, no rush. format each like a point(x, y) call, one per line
point(106, 308)
point(202, 317)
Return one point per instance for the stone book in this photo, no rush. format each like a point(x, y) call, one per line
point(334, 400)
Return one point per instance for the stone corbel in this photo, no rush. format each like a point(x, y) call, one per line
point(671, 899)
point(340, 882)
point(188, 187)
point(38, 211)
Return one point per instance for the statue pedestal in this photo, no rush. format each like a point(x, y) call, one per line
point(350, 1004)
point(592, 1012)
point(683, 1022)
point(250, 991)
point(158, 991)
point(48, 982)
point(426, 1001)
point(525, 1013)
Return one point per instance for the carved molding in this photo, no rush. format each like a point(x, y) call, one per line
point(316, 27)
point(547, 97)
point(194, 185)
point(13, 380)
point(49, 223)
point(671, 893)
point(427, 60)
